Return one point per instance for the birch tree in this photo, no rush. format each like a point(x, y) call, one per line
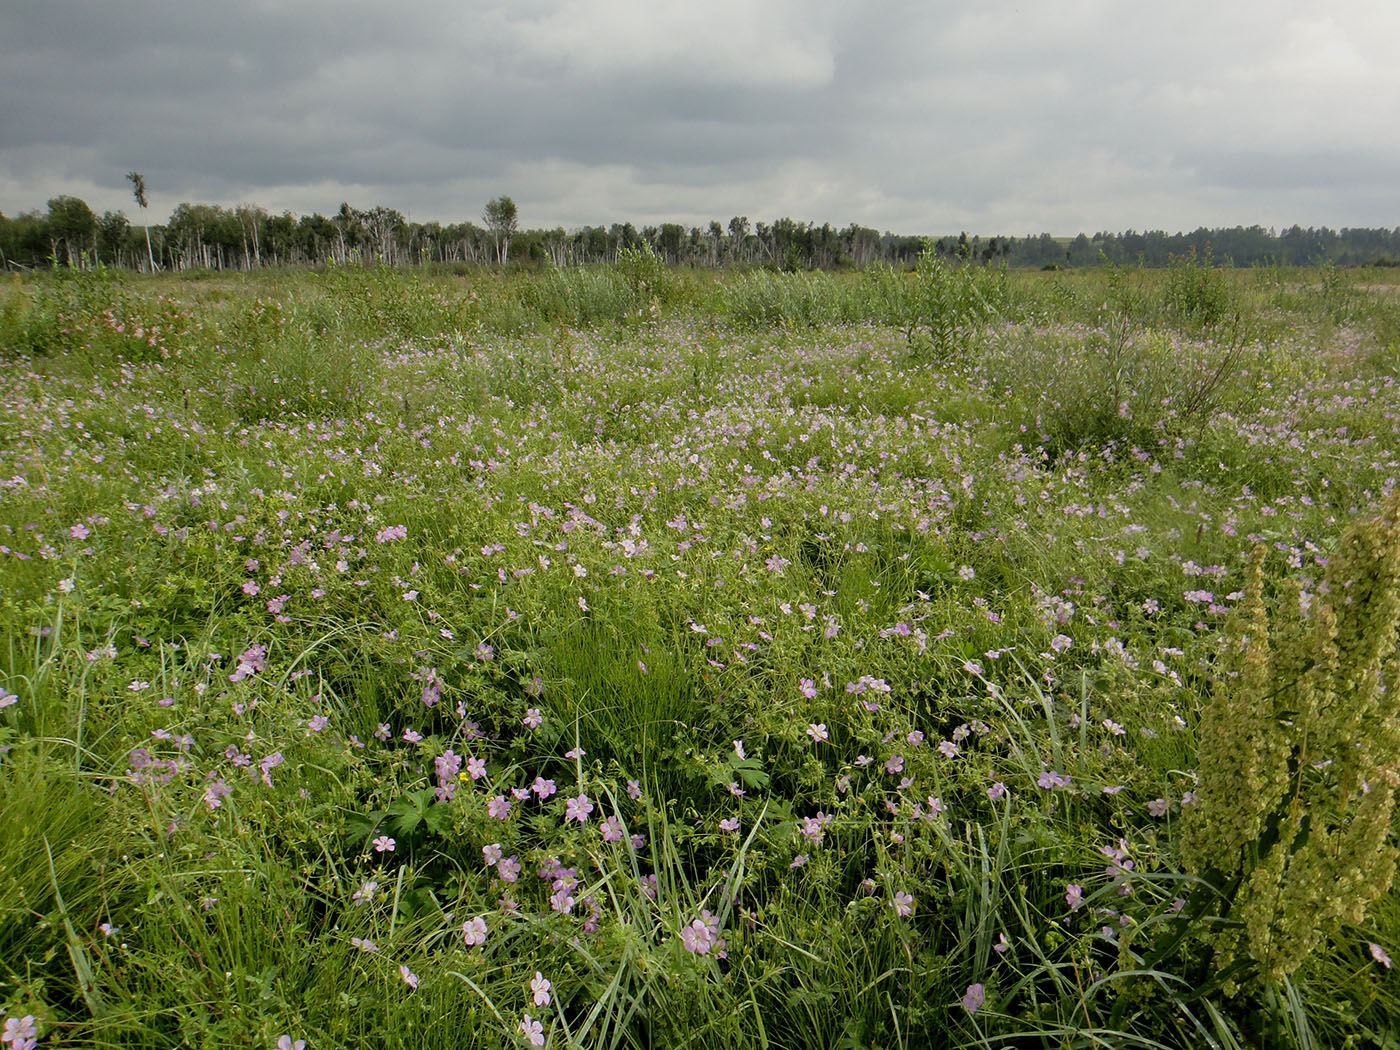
point(138, 190)
point(500, 218)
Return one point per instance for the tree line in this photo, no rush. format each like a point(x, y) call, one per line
point(211, 236)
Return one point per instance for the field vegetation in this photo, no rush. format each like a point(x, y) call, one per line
point(629, 657)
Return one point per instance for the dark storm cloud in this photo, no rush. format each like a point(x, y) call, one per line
point(911, 116)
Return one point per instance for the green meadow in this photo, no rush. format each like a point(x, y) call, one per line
point(639, 657)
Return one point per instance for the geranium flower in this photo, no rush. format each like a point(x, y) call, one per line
point(539, 989)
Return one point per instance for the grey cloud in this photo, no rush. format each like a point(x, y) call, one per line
point(906, 115)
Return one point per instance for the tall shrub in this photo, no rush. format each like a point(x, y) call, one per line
point(952, 302)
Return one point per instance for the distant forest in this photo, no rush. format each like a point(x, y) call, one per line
point(248, 237)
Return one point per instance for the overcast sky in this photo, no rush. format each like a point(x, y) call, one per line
point(917, 116)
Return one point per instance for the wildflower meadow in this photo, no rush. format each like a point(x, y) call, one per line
point(632, 657)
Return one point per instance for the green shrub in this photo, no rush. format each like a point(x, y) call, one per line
point(635, 289)
point(585, 296)
point(1197, 292)
point(646, 274)
point(951, 303)
point(764, 299)
point(379, 301)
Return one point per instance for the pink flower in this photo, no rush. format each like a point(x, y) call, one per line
point(474, 931)
point(807, 687)
point(1379, 954)
point(409, 977)
point(696, 938)
point(22, 1033)
point(578, 808)
point(499, 807)
point(268, 764)
point(973, 998)
point(817, 731)
point(539, 989)
point(533, 719)
point(903, 904)
point(384, 844)
point(532, 1030)
point(1074, 896)
point(216, 792)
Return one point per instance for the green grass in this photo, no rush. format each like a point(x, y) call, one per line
point(881, 607)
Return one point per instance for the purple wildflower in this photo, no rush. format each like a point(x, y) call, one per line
point(578, 808)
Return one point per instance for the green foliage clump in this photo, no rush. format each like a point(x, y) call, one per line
point(634, 290)
point(1197, 292)
point(764, 299)
point(93, 314)
point(951, 303)
point(1127, 382)
point(580, 296)
point(939, 307)
point(1299, 748)
point(646, 274)
point(386, 302)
